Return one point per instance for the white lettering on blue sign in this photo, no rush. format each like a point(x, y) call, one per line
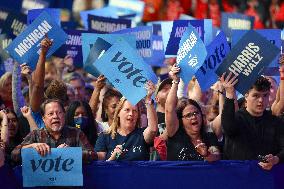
point(33, 38)
point(235, 23)
point(74, 40)
point(186, 47)
point(107, 27)
point(246, 61)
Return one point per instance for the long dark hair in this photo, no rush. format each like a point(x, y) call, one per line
point(182, 103)
point(108, 95)
point(91, 130)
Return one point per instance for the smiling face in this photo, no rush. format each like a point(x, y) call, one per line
point(54, 117)
point(191, 119)
point(128, 116)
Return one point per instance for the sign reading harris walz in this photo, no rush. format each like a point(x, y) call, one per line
point(26, 47)
point(62, 167)
point(247, 59)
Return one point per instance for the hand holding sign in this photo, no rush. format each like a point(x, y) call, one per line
point(45, 44)
point(42, 148)
point(228, 84)
point(150, 87)
point(174, 73)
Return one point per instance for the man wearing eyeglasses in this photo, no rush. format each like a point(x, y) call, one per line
point(55, 134)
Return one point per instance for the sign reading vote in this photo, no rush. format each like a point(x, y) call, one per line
point(178, 29)
point(247, 59)
point(89, 41)
point(191, 54)
point(272, 35)
point(235, 21)
point(126, 70)
point(216, 52)
point(34, 13)
point(62, 167)
point(143, 40)
point(26, 47)
point(101, 24)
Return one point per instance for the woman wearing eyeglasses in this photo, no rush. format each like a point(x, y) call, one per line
point(185, 127)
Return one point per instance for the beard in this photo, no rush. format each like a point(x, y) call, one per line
point(56, 128)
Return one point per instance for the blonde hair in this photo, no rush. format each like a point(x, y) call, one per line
point(116, 121)
point(4, 78)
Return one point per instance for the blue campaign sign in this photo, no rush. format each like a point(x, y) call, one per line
point(62, 167)
point(130, 5)
point(143, 40)
point(235, 21)
point(191, 54)
point(166, 32)
point(158, 56)
point(53, 12)
point(6, 62)
point(32, 4)
point(105, 11)
point(247, 59)
point(88, 41)
point(100, 24)
point(26, 47)
point(272, 35)
point(178, 29)
point(216, 52)
point(13, 24)
point(72, 47)
point(126, 70)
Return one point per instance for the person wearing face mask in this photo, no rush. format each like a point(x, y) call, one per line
point(79, 115)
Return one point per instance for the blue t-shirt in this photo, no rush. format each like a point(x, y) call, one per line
point(134, 146)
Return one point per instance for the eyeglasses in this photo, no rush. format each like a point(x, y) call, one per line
point(189, 115)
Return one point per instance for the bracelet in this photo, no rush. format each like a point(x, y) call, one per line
point(221, 92)
point(4, 125)
point(175, 82)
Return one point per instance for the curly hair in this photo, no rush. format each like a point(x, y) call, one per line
point(262, 84)
point(110, 93)
point(56, 89)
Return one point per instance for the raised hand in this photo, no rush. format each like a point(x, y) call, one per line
point(100, 82)
point(46, 43)
point(174, 72)
point(26, 111)
point(150, 87)
point(228, 84)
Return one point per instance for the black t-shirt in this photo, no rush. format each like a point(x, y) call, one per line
point(180, 147)
point(161, 123)
point(134, 146)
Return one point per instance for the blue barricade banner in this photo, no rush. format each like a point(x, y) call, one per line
point(220, 174)
point(62, 167)
point(14, 24)
point(26, 47)
point(32, 4)
point(34, 13)
point(143, 40)
point(216, 52)
point(247, 59)
point(72, 47)
point(235, 21)
point(191, 54)
point(178, 29)
point(272, 35)
point(100, 24)
point(134, 6)
point(126, 70)
point(89, 40)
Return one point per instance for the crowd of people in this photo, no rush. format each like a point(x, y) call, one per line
point(59, 106)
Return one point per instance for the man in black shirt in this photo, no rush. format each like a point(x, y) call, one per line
point(252, 131)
